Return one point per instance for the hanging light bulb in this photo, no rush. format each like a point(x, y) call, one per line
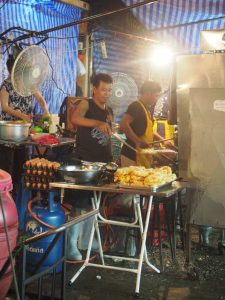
point(161, 56)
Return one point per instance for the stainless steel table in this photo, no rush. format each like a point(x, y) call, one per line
point(165, 192)
point(29, 142)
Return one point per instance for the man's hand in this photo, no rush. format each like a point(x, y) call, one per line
point(168, 144)
point(105, 128)
point(141, 144)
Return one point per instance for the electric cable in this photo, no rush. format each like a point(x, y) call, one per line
point(108, 226)
point(87, 19)
point(50, 63)
point(3, 4)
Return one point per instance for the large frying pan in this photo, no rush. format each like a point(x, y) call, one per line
point(85, 173)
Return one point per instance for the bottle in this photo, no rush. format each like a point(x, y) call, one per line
point(45, 127)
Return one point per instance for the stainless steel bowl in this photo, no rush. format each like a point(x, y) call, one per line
point(79, 174)
point(15, 131)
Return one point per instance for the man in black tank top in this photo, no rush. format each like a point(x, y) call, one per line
point(93, 120)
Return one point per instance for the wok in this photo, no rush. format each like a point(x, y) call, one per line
point(87, 172)
point(79, 174)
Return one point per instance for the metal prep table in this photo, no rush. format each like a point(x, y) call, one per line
point(24, 194)
point(165, 192)
point(29, 142)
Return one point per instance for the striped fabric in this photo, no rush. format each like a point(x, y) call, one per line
point(41, 15)
point(159, 15)
point(124, 54)
point(125, 62)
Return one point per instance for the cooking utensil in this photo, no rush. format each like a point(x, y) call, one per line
point(15, 131)
point(79, 174)
point(157, 151)
point(124, 142)
point(146, 151)
point(160, 141)
point(164, 140)
point(168, 158)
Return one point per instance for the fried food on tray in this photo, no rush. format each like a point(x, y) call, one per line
point(140, 176)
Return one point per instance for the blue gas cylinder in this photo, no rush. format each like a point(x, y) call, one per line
point(52, 215)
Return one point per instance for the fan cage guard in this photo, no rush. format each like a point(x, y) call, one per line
point(29, 70)
point(124, 92)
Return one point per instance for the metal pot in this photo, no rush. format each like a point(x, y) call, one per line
point(15, 131)
point(79, 174)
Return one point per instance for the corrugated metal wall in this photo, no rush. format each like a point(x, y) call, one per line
point(159, 15)
point(124, 54)
point(126, 61)
point(130, 55)
point(61, 45)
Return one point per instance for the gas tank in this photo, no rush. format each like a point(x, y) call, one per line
point(11, 217)
point(52, 215)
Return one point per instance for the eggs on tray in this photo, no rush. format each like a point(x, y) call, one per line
point(39, 172)
point(140, 176)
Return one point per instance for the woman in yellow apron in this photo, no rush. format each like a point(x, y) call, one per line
point(138, 126)
point(144, 159)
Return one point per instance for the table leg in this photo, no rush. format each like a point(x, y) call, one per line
point(173, 220)
point(166, 206)
point(62, 192)
point(143, 251)
point(141, 230)
point(181, 219)
point(188, 243)
point(95, 204)
point(156, 208)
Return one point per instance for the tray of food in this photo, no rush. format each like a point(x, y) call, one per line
point(145, 179)
point(153, 188)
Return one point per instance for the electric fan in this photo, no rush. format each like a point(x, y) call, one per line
point(124, 92)
point(29, 70)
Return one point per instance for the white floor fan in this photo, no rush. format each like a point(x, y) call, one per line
point(30, 70)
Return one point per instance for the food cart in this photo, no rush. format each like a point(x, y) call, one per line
point(149, 196)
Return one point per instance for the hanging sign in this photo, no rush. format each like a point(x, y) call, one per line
point(219, 105)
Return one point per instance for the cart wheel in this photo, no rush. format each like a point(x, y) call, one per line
point(138, 296)
point(220, 248)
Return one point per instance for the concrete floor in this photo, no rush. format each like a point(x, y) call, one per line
point(203, 279)
point(177, 282)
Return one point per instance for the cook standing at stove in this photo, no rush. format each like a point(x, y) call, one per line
point(137, 124)
point(15, 107)
point(93, 119)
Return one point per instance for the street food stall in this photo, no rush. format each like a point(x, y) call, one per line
point(152, 191)
point(200, 95)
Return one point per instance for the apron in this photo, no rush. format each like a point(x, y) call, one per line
point(146, 159)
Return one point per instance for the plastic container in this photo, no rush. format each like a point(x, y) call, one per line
point(11, 217)
point(163, 128)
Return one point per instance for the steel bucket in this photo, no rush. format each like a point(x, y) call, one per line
point(15, 131)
